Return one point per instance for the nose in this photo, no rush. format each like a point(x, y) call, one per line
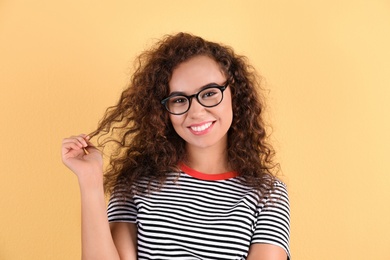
point(196, 109)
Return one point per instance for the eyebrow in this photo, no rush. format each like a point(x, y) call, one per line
point(181, 93)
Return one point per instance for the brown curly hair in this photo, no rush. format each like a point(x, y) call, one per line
point(145, 143)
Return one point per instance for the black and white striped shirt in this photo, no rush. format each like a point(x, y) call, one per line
point(201, 216)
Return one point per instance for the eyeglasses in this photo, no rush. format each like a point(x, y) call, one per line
point(210, 96)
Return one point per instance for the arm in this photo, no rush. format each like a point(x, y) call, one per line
point(125, 239)
point(272, 234)
point(97, 242)
point(266, 252)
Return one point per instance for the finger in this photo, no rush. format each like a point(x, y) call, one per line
point(76, 143)
point(69, 146)
point(91, 147)
point(89, 143)
point(80, 140)
point(72, 143)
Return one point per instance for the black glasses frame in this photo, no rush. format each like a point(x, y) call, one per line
point(196, 95)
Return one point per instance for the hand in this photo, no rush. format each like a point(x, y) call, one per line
point(87, 164)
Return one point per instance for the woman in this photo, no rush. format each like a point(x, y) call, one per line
point(191, 174)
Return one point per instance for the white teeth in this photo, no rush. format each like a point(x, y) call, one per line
point(201, 128)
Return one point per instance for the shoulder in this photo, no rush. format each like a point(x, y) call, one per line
point(279, 188)
point(276, 199)
point(273, 219)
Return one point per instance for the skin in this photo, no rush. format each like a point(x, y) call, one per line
point(88, 168)
point(189, 77)
point(119, 240)
point(209, 145)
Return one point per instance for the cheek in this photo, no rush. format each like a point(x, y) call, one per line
point(172, 119)
point(229, 116)
point(228, 107)
point(176, 121)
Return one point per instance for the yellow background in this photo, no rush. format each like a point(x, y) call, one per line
point(326, 63)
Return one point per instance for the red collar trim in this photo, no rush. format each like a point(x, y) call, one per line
point(205, 176)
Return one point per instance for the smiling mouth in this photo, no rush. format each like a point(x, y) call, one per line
point(201, 127)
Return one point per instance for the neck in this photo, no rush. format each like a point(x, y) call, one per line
point(210, 161)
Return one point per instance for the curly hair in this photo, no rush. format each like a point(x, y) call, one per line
point(145, 142)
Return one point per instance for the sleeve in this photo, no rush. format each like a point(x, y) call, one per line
point(273, 220)
point(121, 208)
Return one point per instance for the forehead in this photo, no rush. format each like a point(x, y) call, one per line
point(195, 73)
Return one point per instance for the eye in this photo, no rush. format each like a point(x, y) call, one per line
point(178, 100)
point(208, 93)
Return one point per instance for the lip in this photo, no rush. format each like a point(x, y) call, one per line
point(196, 129)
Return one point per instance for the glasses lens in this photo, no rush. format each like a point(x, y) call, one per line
point(210, 97)
point(177, 104)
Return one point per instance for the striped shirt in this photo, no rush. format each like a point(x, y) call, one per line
point(201, 216)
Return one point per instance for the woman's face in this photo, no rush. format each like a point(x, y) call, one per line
point(201, 127)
